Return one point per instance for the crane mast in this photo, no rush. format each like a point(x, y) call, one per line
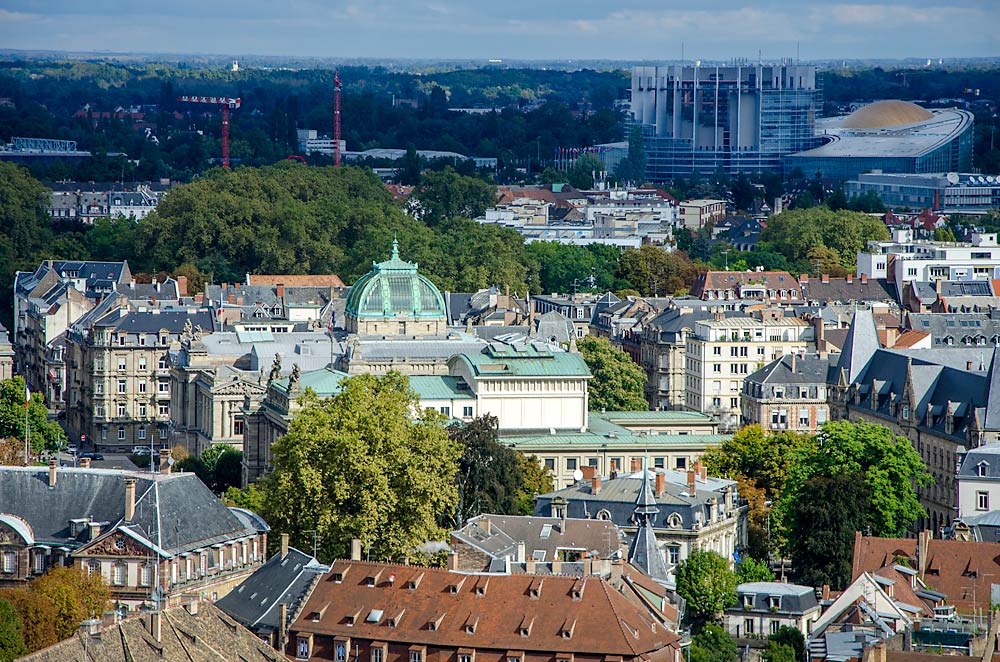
point(226, 104)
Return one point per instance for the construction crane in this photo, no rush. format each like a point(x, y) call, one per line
point(227, 104)
point(336, 117)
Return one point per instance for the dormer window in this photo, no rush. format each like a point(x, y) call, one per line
point(983, 469)
point(748, 601)
point(773, 602)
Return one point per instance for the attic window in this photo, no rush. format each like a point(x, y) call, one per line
point(748, 601)
point(455, 588)
point(546, 531)
point(525, 628)
point(577, 591)
point(393, 621)
point(774, 602)
point(338, 577)
point(482, 586)
point(983, 468)
point(413, 583)
point(372, 580)
point(470, 625)
point(567, 629)
point(535, 590)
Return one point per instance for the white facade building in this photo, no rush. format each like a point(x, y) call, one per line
point(907, 260)
point(979, 481)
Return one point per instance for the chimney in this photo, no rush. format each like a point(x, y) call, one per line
point(520, 553)
point(52, 473)
point(556, 566)
point(453, 560)
point(595, 485)
point(232, 298)
point(804, 279)
point(156, 625)
point(617, 568)
point(165, 461)
point(691, 485)
point(94, 529)
point(284, 545)
point(282, 627)
point(968, 365)
point(923, 544)
point(529, 565)
point(84, 462)
point(659, 484)
point(355, 549)
point(588, 565)
point(281, 291)
point(636, 464)
point(825, 278)
point(588, 472)
point(793, 364)
point(129, 499)
point(182, 285)
point(703, 470)
point(486, 524)
point(850, 279)
point(864, 278)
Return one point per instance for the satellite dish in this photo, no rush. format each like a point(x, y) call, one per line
point(578, 475)
point(991, 179)
point(952, 177)
point(170, 461)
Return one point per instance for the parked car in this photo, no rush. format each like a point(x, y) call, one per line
point(140, 450)
point(92, 456)
point(72, 449)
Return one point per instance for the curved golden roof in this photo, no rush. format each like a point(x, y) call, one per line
point(886, 113)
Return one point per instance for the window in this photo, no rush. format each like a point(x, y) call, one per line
point(416, 656)
point(340, 654)
point(446, 411)
point(775, 626)
point(163, 387)
point(142, 363)
point(982, 469)
point(121, 434)
point(142, 386)
point(122, 386)
point(571, 464)
point(163, 433)
point(164, 410)
point(681, 463)
point(748, 625)
point(122, 410)
point(464, 657)
point(104, 433)
point(302, 649)
point(99, 388)
point(550, 463)
point(378, 654)
point(119, 574)
point(659, 462)
point(121, 364)
point(9, 562)
point(38, 563)
point(467, 412)
point(238, 427)
point(162, 363)
point(142, 410)
point(803, 418)
point(142, 433)
point(674, 555)
point(982, 500)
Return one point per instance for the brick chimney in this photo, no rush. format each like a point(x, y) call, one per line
point(129, 499)
point(182, 285)
point(804, 279)
point(825, 278)
point(284, 545)
point(280, 290)
point(850, 279)
point(232, 298)
point(588, 472)
point(659, 484)
point(84, 462)
point(282, 626)
point(53, 464)
point(355, 549)
point(864, 278)
point(923, 549)
point(556, 567)
point(595, 485)
point(691, 484)
point(165, 461)
point(156, 625)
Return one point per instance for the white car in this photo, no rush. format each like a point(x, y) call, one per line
point(72, 449)
point(140, 450)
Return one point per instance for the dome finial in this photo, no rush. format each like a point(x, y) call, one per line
point(395, 247)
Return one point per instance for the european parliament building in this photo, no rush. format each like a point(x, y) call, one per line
point(740, 118)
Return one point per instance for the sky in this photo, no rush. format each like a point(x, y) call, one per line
point(510, 29)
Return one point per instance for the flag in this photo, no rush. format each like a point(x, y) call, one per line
point(27, 394)
point(736, 555)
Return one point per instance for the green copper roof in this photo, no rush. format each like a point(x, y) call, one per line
point(608, 421)
point(587, 441)
point(325, 381)
point(525, 360)
point(394, 288)
point(435, 387)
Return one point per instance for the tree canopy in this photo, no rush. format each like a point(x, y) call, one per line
point(618, 382)
point(75, 596)
point(11, 632)
point(795, 232)
point(489, 473)
point(706, 583)
point(45, 434)
point(363, 464)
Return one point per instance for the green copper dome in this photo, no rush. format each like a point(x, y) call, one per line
point(393, 288)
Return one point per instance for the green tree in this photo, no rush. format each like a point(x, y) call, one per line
point(713, 644)
point(837, 200)
point(581, 175)
point(778, 652)
point(792, 638)
point(868, 202)
point(45, 434)
point(11, 633)
point(618, 382)
point(38, 617)
point(655, 271)
point(410, 167)
point(705, 581)
point(750, 569)
point(795, 232)
point(489, 473)
point(445, 195)
point(363, 465)
point(75, 596)
point(248, 497)
point(535, 479)
point(944, 234)
point(826, 261)
point(551, 176)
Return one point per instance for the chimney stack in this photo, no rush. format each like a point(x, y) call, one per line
point(864, 278)
point(280, 291)
point(691, 484)
point(84, 462)
point(282, 626)
point(129, 499)
point(453, 560)
point(355, 549)
point(521, 556)
point(556, 566)
point(595, 485)
point(284, 545)
point(804, 279)
point(156, 625)
point(659, 484)
point(52, 473)
point(824, 278)
point(850, 279)
point(182, 285)
point(165, 461)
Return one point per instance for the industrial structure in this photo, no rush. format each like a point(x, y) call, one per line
point(226, 104)
point(336, 118)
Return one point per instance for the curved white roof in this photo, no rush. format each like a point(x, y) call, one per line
point(22, 528)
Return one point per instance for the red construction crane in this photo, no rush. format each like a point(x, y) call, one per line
point(226, 104)
point(336, 117)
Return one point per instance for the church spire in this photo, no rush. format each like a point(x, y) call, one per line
point(644, 551)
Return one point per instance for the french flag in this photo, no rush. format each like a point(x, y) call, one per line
point(27, 394)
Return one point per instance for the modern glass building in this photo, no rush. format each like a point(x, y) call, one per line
point(741, 118)
point(891, 137)
point(951, 193)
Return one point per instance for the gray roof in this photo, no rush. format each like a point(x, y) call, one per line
point(499, 539)
point(792, 598)
point(255, 602)
point(153, 321)
point(553, 326)
point(809, 369)
point(859, 346)
point(843, 291)
point(175, 512)
point(986, 456)
point(968, 329)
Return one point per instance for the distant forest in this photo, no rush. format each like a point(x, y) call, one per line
point(539, 110)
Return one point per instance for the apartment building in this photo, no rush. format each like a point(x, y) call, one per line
point(694, 214)
point(118, 371)
point(722, 352)
point(790, 393)
point(904, 259)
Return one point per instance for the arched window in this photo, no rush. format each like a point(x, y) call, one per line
point(674, 521)
point(604, 515)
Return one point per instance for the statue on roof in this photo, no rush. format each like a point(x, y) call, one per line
point(293, 379)
point(275, 369)
point(187, 332)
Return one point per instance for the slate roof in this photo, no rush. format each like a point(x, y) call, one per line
point(184, 638)
point(809, 369)
point(987, 456)
point(670, 323)
point(498, 535)
point(175, 512)
point(842, 290)
point(255, 603)
point(792, 598)
point(295, 280)
point(961, 328)
point(152, 321)
point(549, 614)
point(859, 346)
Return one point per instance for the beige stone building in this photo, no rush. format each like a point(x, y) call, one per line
point(722, 352)
point(118, 372)
point(790, 393)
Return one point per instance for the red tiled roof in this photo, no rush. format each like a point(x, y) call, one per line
point(320, 280)
point(727, 280)
point(599, 619)
point(909, 339)
point(961, 570)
